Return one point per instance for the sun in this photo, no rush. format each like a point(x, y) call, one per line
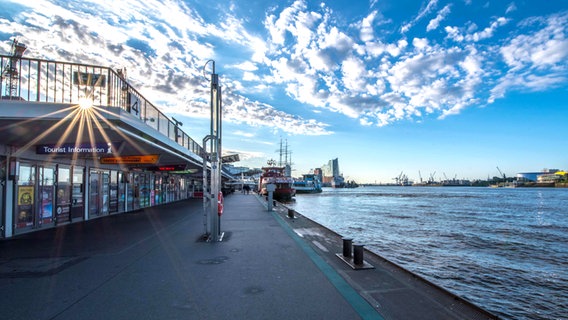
point(85, 103)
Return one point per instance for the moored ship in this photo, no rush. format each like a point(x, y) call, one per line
point(309, 183)
point(276, 175)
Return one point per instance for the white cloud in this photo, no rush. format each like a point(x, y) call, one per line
point(420, 43)
point(541, 49)
point(454, 33)
point(537, 60)
point(512, 7)
point(278, 26)
point(250, 76)
point(489, 31)
point(367, 33)
point(365, 122)
point(395, 50)
point(525, 81)
point(434, 23)
point(423, 12)
point(245, 66)
point(243, 134)
point(354, 74)
point(469, 34)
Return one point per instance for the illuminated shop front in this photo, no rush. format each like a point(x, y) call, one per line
point(51, 194)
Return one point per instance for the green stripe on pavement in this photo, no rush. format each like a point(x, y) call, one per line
point(361, 306)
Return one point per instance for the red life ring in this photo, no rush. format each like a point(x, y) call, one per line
point(220, 203)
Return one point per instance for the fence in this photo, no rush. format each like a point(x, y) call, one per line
point(61, 82)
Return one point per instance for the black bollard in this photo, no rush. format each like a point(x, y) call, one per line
point(290, 213)
point(347, 243)
point(358, 254)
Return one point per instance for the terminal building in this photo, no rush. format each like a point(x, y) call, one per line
point(78, 142)
point(546, 175)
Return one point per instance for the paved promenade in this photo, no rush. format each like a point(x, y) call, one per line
point(153, 264)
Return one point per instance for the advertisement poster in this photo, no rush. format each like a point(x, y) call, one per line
point(63, 202)
point(25, 206)
point(46, 204)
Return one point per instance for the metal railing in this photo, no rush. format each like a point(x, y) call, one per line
point(37, 80)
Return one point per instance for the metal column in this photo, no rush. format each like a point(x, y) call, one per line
point(211, 194)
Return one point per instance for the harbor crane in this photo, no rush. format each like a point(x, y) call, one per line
point(402, 179)
point(10, 72)
point(501, 173)
point(431, 179)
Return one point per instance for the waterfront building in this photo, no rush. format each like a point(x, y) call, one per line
point(79, 142)
point(535, 176)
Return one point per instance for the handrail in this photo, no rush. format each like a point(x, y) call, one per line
point(48, 81)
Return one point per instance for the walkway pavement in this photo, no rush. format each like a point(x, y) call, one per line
point(153, 264)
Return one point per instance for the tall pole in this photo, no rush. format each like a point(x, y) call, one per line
point(211, 194)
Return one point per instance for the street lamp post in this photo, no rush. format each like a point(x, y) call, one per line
point(211, 195)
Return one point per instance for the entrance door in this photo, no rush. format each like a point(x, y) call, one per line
point(128, 188)
point(99, 197)
point(46, 195)
point(25, 209)
point(63, 195)
point(77, 203)
point(113, 203)
point(122, 181)
point(94, 194)
point(136, 192)
point(3, 179)
point(105, 192)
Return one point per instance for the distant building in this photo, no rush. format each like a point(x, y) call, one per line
point(331, 176)
point(319, 174)
point(534, 176)
point(330, 171)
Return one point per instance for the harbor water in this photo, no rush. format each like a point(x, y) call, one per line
point(504, 249)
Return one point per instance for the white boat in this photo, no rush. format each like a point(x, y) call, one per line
point(308, 184)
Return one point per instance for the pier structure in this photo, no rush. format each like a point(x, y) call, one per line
point(152, 263)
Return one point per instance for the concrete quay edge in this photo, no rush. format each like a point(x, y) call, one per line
point(394, 291)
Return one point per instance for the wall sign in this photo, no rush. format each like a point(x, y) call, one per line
point(142, 159)
point(171, 167)
point(71, 148)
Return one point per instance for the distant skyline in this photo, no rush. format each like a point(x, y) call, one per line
point(451, 88)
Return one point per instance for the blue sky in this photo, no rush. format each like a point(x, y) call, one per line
point(387, 86)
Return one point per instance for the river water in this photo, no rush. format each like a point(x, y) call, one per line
point(504, 249)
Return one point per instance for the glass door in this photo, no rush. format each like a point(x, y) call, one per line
point(46, 194)
point(136, 191)
point(3, 179)
point(113, 204)
point(63, 195)
point(105, 189)
point(122, 179)
point(25, 211)
point(94, 194)
point(77, 203)
point(129, 188)
point(145, 186)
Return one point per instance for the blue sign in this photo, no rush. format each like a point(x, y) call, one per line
point(71, 148)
